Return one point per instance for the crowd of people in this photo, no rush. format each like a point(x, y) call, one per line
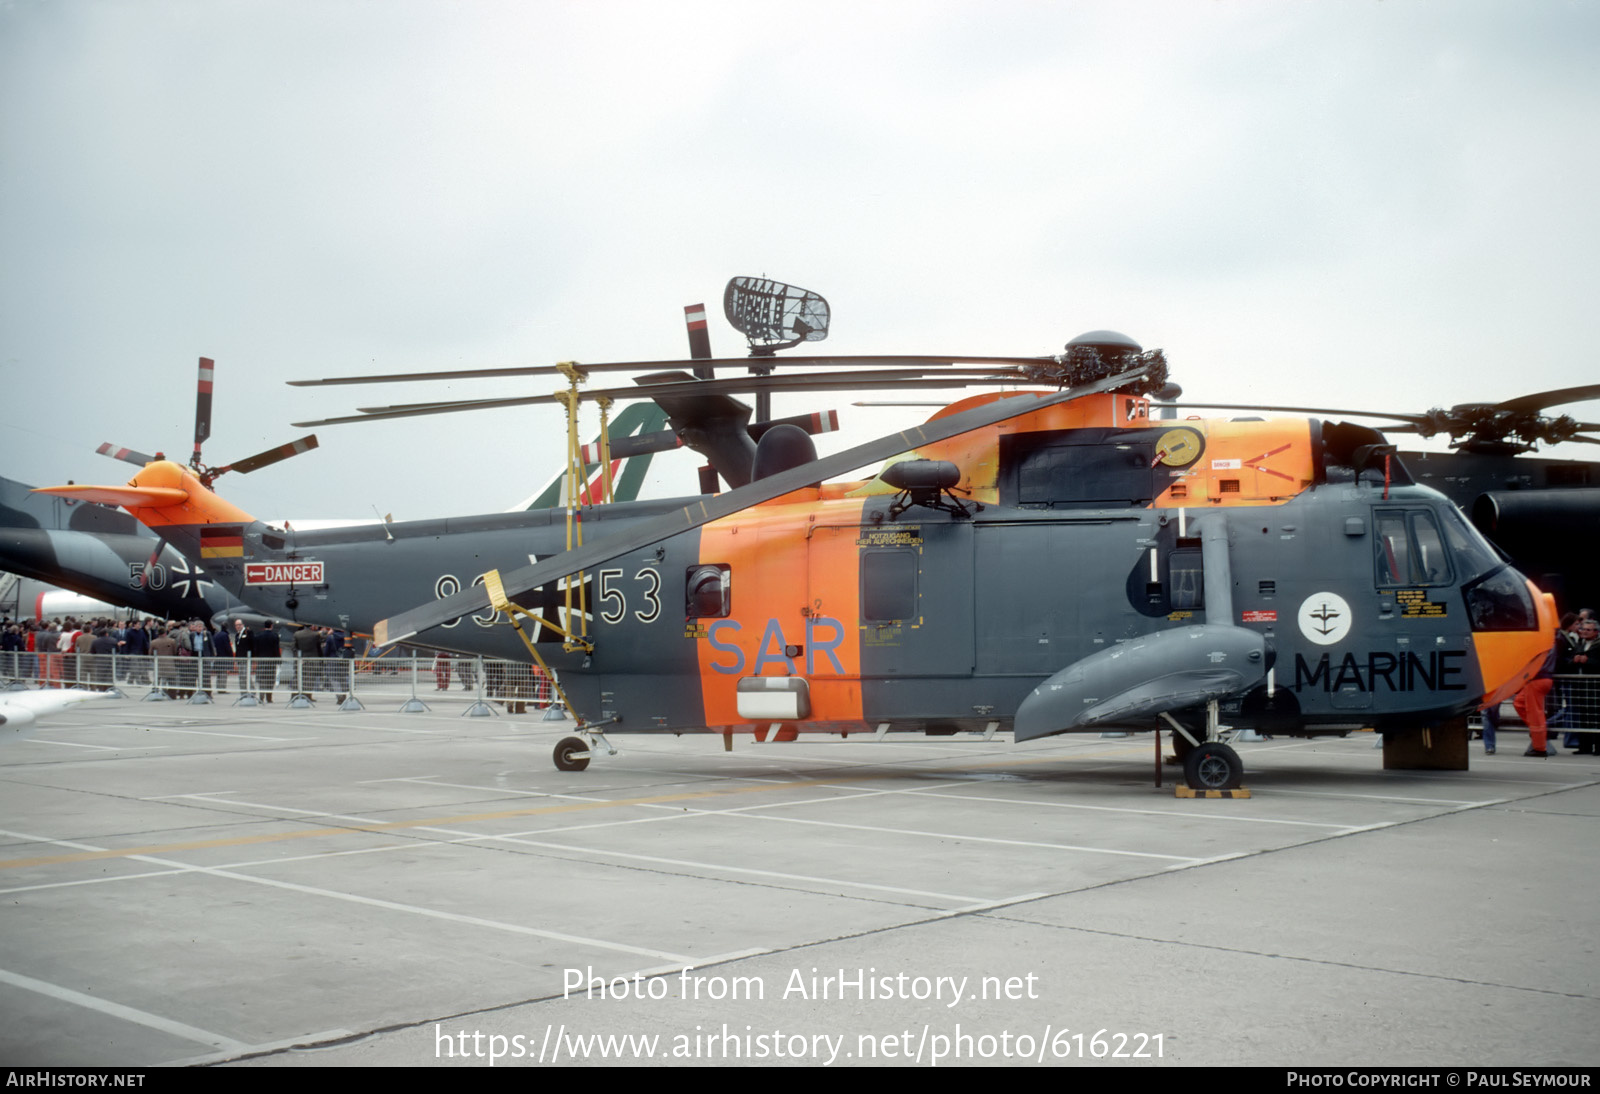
point(199, 656)
point(50, 647)
point(192, 656)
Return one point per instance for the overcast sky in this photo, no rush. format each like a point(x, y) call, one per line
point(1340, 203)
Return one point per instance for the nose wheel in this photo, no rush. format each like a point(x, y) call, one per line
point(1208, 763)
point(1213, 766)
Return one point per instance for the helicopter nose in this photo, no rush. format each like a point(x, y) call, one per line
point(1509, 658)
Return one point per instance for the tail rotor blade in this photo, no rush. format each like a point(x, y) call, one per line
point(126, 455)
point(202, 406)
point(271, 456)
point(149, 567)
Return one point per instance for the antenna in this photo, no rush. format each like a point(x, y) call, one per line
point(773, 316)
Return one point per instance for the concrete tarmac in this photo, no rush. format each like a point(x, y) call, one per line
point(224, 885)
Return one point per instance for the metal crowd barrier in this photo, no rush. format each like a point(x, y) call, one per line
point(1573, 705)
point(293, 682)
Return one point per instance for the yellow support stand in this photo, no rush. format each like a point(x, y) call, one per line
point(502, 603)
point(575, 477)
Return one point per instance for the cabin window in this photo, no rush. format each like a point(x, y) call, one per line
point(1186, 580)
point(708, 591)
point(888, 586)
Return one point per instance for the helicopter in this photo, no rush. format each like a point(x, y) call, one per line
point(1039, 561)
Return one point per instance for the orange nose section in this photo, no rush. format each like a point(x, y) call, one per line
point(1509, 659)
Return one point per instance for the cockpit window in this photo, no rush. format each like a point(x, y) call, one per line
point(1473, 554)
point(1411, 550)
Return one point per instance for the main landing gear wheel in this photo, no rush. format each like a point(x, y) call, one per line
point(1213, 766)
point(572, 754)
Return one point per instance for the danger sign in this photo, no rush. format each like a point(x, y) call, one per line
point(283, 573)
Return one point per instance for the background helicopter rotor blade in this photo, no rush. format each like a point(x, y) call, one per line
point(1480, 424)
point(475, 599)
point(1552, 398)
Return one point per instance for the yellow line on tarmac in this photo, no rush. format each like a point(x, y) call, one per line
point(464, 818)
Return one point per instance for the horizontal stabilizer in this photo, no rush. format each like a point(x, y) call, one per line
point(131, 497)
point(1132, 682)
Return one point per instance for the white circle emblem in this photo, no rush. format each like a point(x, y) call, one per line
point(1325, 618)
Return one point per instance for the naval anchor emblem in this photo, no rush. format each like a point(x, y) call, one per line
point(1324, 618)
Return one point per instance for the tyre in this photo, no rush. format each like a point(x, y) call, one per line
point(572, 754)
point(1213, 766)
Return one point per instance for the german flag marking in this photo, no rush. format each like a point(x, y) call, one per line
point(221, 543)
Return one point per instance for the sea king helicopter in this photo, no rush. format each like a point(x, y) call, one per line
point(1048, 560)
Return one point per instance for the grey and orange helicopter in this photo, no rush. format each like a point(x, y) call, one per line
point(1043, 561)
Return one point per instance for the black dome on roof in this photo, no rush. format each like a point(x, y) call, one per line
point(1107, 340)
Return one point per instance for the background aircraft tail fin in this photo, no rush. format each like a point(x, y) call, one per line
point(634, 419)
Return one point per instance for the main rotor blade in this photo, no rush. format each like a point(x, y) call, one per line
point(1552, 398)
point(272, 456)
point(1318, 410)
point(127, 455)
point(866, 380)
point(474, 600)
point(891, 361)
